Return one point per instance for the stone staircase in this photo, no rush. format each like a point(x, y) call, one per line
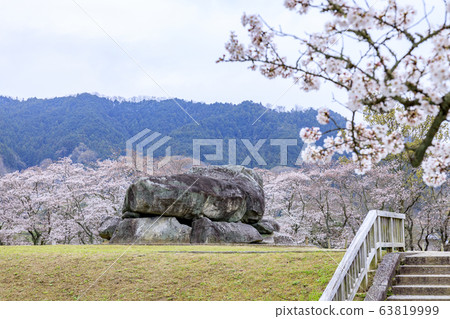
point(422, 276)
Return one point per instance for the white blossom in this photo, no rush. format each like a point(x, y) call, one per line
point(310, 135)
point(323, 116)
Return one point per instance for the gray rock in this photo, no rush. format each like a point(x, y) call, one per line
point(108, 226)
point(227, 171)
point(273, 222)
point(283, 239)
point(268, 239)
point(151, 231)
point(383, 277)
point(205, 231)
point(250, 182)
point(267, 225)
point(230, 193)
point(131, 215)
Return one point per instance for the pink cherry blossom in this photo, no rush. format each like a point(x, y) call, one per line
point(388, 56)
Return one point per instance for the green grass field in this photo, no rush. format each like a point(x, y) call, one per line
point(164, 272)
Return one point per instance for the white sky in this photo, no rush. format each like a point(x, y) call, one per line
point(51, 48)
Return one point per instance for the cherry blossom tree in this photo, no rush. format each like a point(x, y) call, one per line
point(284, 197)
point(63, 203)
point(433, 219)
point(328, 203)
point(311, 205)
point(27, 204)
point(90, 194)
point(385, 56)
point(172, 165)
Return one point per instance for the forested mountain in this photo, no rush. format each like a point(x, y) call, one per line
point(38, 129)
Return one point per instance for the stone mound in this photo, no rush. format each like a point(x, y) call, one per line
point(215, 204)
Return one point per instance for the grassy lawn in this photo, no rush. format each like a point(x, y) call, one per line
point(164, 272)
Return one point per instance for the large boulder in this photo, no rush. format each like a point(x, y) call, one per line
point(221, 193)
point(267, 225)
point(246, 179)
point(205, 231)
point(108, 226)
point(154, 230)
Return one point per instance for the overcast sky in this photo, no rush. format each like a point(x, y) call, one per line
point(52, 48)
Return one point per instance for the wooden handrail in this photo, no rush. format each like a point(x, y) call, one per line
point(379, 230)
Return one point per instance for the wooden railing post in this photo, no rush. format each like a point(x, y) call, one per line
point(391, 234)
point(375, 236)
point(403, 235)
point(365, 282)
point(380, 240)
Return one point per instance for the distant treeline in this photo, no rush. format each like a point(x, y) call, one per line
point(37, 129)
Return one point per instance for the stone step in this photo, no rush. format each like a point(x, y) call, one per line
point(422, 279)
point(424, 269)
point(421, 290)
point(418, 298)
point(427, 260)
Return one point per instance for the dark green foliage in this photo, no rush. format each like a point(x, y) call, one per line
point(36, 129)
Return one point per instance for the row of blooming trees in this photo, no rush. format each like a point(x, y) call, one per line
point(65, 202)
point(325, 205)
point(62, 203)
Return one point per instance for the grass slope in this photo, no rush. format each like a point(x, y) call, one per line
point(164, 272)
